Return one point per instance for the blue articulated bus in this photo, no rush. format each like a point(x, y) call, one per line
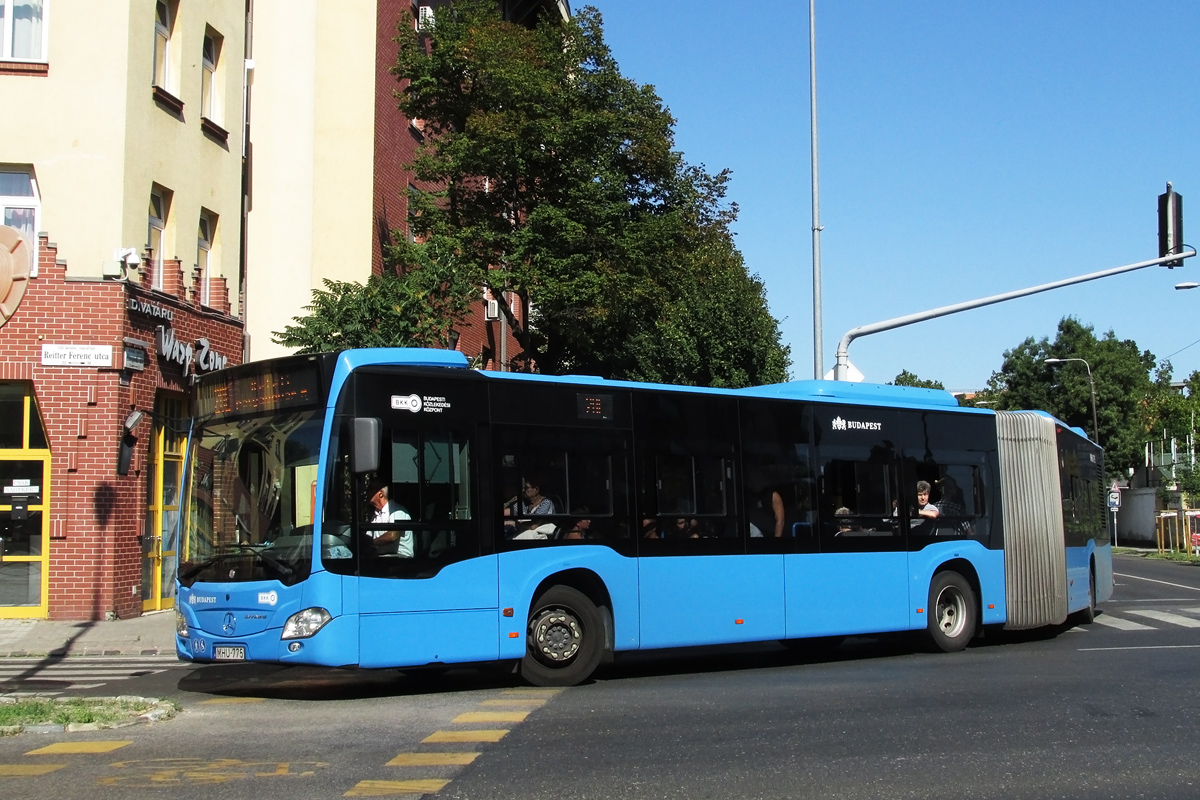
point(393, 508)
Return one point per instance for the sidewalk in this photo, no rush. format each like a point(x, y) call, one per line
point(149, 634)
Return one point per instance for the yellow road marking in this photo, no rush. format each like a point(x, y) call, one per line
point(465, 736)
point(221, 701)
point(529, 701)
point(79, 747)
point(432, 759)
point(386, 788)
point(27, 770)
point(530, 692)
point(491, 716)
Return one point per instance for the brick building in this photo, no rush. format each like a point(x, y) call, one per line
point(121, 268)
point(331, 145)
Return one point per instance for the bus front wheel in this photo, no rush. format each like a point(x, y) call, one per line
point(565, 638)
point(952, 612)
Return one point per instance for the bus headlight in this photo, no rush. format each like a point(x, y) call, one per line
point(304, 624)
point(181, 626)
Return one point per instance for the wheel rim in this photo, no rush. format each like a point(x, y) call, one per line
point(555, 636)
point(951, 612)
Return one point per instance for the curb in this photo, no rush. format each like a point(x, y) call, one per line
point(160, 710)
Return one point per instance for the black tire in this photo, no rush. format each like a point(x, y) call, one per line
point(1088, 615)
point(953, 612)
point(564, 640)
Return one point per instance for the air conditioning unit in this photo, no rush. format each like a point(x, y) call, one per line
point(425, 18)
point(491, 310)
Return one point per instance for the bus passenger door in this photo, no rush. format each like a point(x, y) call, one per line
point(858, 583)
point(426, 593)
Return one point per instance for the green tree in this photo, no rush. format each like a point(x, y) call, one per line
point(1122, 378)
point(562, 187)
point(414, 303)
point(906, 378)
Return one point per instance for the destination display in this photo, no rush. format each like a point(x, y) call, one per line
point(255, 389)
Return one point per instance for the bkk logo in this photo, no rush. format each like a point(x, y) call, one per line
point(410, 402)
point(268, 598)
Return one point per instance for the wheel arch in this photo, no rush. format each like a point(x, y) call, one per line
point(591, 586)
point(967, 570)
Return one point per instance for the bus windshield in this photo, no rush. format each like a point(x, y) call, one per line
point(250, 499)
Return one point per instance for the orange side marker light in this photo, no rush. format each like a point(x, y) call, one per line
point(514, 635)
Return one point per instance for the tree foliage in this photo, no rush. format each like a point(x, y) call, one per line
point(562, 187)
point(1121, 373)
point(414, 305)
point(906, 378)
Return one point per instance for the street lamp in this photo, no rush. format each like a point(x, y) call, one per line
point(1091, 382)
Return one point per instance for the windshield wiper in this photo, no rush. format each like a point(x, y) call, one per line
point(196, 569)
point(282, 568)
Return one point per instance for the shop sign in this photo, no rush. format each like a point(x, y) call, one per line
point(201, 353)
point(77, 355)
point(145, 307)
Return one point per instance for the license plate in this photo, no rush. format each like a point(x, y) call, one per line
point(227, 653)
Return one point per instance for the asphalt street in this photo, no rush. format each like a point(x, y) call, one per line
point(1106, 710)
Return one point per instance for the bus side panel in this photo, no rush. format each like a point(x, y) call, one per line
point(832, 594)
point(522, 571)
point(989, 569)
point(1104, 571)
point(428, 637)
point(389, 610)
point(1079, 566)
point(711, 599)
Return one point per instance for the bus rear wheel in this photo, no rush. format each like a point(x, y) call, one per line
point(565, 638)
point(952, 612)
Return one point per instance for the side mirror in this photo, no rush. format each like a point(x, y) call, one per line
point(368, 431)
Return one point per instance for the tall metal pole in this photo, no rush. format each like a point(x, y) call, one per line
point(818, 343)
point(1091, 383)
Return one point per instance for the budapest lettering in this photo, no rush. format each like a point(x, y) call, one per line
point(201, 353)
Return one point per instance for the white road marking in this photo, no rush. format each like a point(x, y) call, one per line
point(1165, 616)
point(1164, 583)
point(1121, 624)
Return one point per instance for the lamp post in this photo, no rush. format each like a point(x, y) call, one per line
point(1091, 382)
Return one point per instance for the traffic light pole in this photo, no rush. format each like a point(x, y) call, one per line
point(841, 370)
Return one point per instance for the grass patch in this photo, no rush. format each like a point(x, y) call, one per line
point(1180, 558)
point(66, 711)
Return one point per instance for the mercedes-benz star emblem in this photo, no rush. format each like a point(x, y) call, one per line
point(229, 624)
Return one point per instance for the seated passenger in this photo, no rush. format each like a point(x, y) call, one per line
point(533, 502)
point(924, 514)
point(579, 530)
point(381, 510)
point(840, 516)
point(951, 507)
point(650, 528)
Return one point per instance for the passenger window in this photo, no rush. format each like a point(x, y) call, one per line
point(560, 485)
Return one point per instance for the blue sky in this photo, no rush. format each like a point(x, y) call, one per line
point(966, 149)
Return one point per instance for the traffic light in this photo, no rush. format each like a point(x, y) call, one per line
point(1170, 225)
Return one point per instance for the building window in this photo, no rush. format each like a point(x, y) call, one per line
point(23, 27)
point(164, 21)
point(210, 87)
point(20, 207)
point(204, 243)
point(160, 202)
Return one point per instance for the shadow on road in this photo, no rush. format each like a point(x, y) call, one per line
point(323, 684)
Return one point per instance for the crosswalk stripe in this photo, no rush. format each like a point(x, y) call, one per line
point(1121, 624)
point(1166, 616)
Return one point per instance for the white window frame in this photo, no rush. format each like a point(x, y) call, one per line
point(7, 19)
point(156, 235)
point(210, 86)
point(206, 234)
point(25, 202)
point(162, 46)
